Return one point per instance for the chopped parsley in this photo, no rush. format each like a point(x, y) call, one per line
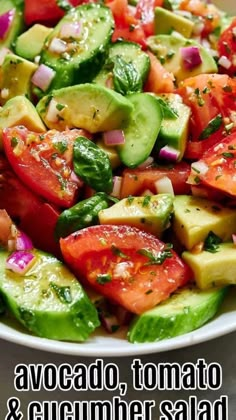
point(62, 292)
point(103, 278)
point(212, 127)
point(212, 242)
point(158, 258)
point(146, 200)
point(118, 252)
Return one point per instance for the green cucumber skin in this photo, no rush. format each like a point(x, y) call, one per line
point(130, 52)
point(83, 214)
point(40, 310)
point(81, 68)
point(142, 130)
point(159, 323)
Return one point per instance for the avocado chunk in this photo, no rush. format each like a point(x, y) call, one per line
point(89, 106)
point(15, 9)
point(48, 300)
point(16, 73)
point(195, 217)
point(213, 268)
point(167, 48)
point(77, 59)
point(186, 310)
point(166, 21)
point(20, 111)
point(174, 131)
point(141, 131)
point(151, 213)
point(30, 43)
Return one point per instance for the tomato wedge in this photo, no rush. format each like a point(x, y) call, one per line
point(227, 47)
point(127, 265)
point(44, 162)
point(136, 181)
point(217, 168)
point(211, 98)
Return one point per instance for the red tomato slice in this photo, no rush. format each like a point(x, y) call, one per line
point(44, 162)
point(29, 212)
point(208, 95)
point(117, 261)
point(227, 47)
point(45, 11)
point(218, 163)
point(159, 80)
point(209, 14)
point(136, 181)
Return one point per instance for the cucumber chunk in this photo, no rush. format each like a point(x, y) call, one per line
point(82, 57)
point(132, 54)
point(186, 310)
point(142, 130)
point(48, 300)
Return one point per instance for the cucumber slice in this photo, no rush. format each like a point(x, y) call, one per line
point(130, 53)
point(186, 310)
point(81, 58)
point(48, 300)
point(142, 130)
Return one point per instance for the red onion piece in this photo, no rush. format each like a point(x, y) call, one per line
point(3, 52)
point(6, 20)
point(191, 57)
point(164, 186)
point(117, 181)
point(71, 30)
point(113, 137)
point(169, 153)
point(148, 162)
point(57, 46)
point(234, 238)
point(43, 77)
point(20, 261)
point(23, 242)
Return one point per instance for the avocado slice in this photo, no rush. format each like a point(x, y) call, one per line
point(174, 131)
point(195, 217)
point(186, 310)
point(92, 107)
point(30, 43)
point(16, 73)
point(166, 21)
point(151, 213)
point(213, 268)
point(48, 300)
point(20, 111)
point(17, 25)
point(167, 48)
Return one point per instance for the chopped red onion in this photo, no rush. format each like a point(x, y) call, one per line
point(23, 242)
point(113, 137)
point(117, 181)
point(20, 261)
point(224, 62)
point(191, 57)
point(199, 168)
point(43, 77)
point(234, 238)
point(52, 111)
point(71, 30)
point(148, 162)
point(169, 153)
point(57, 46)
point(6, 20)
point(3, 52)
point(164, 186)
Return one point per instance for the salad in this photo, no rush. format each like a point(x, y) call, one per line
point(117, 166)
